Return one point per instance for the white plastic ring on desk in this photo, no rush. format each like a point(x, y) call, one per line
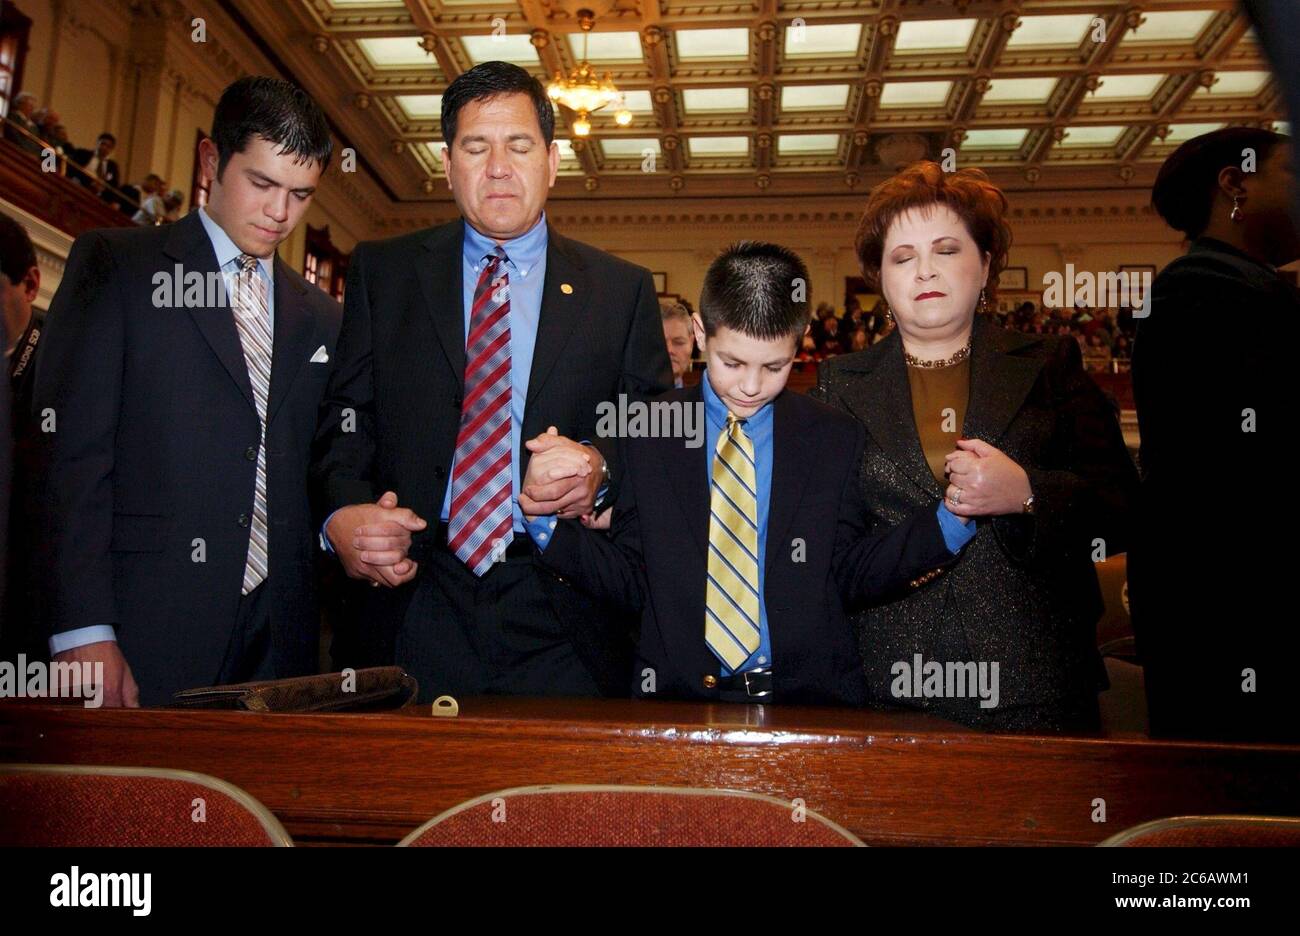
point(445, 707)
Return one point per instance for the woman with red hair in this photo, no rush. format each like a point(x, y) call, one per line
point(1011, 431)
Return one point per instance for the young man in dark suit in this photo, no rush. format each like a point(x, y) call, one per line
point(100, 170)
point(748, 606)
point(178, 385)
point(458, 343)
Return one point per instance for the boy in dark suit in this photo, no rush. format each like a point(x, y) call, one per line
point(740, 547)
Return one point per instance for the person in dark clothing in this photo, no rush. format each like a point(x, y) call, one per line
point(20, 281)
point(1203, 597)
point(1006, 427)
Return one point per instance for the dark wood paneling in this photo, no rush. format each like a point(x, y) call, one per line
point(891, 778)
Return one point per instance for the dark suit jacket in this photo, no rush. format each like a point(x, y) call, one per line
point(401, 366)
point(18, 632)
point(1203, 595)
point(156, 449)
point(655, 562)
point(1024, 592)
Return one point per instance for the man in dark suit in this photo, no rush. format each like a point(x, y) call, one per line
point(458, 343)
point(20, 282)
point(100, 170)
point(181, 370)
point(750, 606)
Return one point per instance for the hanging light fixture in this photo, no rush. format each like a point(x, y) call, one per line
point(584, 93)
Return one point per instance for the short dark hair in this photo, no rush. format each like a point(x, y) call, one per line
point(751, 288)
point(488, 80)
point(17, 255)
point(279, 112)
point(1183, 193)
point(107, 136)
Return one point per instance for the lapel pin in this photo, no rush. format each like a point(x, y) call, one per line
point(566, 289)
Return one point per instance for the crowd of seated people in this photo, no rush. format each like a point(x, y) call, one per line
point(1105, 336)
point(36, 129)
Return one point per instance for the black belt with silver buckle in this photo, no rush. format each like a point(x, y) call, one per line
point(755, 683)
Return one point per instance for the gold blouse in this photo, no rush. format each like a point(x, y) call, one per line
point(939, 398)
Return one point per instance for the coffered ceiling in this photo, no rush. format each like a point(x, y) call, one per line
point(807, 96)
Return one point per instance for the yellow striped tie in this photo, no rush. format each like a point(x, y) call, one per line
point(731, 596)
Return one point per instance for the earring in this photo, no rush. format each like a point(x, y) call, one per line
point(1236, 208)
point(884, 303)
point(984, 303)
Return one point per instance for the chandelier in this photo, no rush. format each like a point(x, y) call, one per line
point(584, 93)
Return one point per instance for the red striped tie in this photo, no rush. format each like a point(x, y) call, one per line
point(480, 525)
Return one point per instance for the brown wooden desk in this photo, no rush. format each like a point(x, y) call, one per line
point(891, 778)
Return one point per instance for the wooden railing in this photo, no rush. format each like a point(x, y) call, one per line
point(891, 778)
point(55, 199)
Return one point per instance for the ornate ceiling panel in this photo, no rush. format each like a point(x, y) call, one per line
point(806, 96)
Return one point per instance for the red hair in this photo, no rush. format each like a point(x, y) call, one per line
point(968, 193)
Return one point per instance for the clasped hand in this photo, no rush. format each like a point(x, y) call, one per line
point(372, 540)
point(983, 481)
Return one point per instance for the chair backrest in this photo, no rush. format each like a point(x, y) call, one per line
point(611, 815)
point(1212, 832)
point(1115, 623)
point(58, 805)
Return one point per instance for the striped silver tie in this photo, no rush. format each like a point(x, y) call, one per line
point(253, 317)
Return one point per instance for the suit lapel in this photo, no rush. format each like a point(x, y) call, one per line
point(188, 245)
point(293, 337)
point(440, 281)
point(561, 311)
point(999, 381)
point(885, 407)
point(689, 479)
point(790, 456)
point(687, 471)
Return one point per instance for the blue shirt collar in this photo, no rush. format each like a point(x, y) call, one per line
point(226, 250)
point(715, 411)
point(522, 253)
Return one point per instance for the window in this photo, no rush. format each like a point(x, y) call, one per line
point(14, 29)
point(324, 264)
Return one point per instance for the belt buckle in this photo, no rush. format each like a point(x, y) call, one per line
point(751, 693)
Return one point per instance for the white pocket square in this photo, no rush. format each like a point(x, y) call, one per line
point(321, 356)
